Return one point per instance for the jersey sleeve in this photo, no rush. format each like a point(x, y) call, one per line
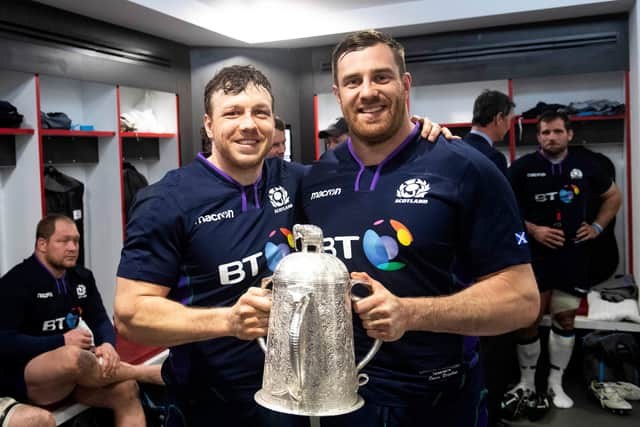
point(96, 316)
point(152, 250)
point(13, 343)
point(492, 231)
point(601, 181)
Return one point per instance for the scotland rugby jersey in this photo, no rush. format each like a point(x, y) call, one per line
point(209, 239)
point(406, 222)
point(36, 309)
point(556, 195)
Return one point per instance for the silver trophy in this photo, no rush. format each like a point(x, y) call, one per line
point(310, 365)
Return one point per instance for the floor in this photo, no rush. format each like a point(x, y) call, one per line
point(585, 413)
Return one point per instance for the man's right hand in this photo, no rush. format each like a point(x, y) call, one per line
point(550, 237)
point(79, 337)
point(248, 318)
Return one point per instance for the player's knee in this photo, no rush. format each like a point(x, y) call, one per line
point(44, 418)
point(564, 320)
point(126, 392)
point(32, 416)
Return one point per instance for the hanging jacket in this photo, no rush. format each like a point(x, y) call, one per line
point(133, 181)
point(63, 195)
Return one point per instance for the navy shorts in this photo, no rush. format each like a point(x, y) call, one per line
point(12, 384)
point(187, 408)
point(465, 407)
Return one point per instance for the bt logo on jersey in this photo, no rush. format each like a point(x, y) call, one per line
point(381, 250)
point(568, 192)
point(280, 244)
point(274, 252)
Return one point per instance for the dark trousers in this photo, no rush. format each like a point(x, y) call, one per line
point(499, 360)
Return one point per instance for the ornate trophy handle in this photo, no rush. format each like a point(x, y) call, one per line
point(363, 378)
point(301, 304)
point(264, 284)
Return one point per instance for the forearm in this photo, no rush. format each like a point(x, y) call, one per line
point(530, 227)
point(104, 332)
point(504, 302)
point(13, 344)
point(609, 209)
point(155, 320)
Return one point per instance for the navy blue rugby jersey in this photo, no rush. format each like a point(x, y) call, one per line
point(556, 195)
point(36, 309)
point(406, 222)
point(208, 238)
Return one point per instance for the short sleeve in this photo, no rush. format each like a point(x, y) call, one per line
point(153, 245)
point(491, 229)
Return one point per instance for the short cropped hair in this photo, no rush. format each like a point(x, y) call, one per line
point(47, 225)
point(362, 40)
point(489, 104)
point(233, 80)
point(551, 115)
point(279, 124)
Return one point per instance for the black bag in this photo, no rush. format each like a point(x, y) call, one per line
point(611, 356)
point(133, 181)
point(9, 116)
point(55, 120)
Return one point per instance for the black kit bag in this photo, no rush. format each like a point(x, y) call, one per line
point(611, 356)
point(133, 181)
point(55, 120)
point(9, 116)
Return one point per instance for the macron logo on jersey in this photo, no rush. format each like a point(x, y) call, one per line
point(279, 199)
point(228, 214)
point(331, 192)
point(412, 191)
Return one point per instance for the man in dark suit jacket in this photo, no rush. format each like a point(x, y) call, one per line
point(492, 115)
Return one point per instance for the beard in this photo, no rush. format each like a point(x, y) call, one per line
point(383, 128)
point(62, 263)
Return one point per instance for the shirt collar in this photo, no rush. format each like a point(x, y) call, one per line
point(482, 134)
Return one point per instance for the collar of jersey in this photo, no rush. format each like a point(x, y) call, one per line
point(241, 188)
point(376, 177)
point(61, 283)
point(556, 168)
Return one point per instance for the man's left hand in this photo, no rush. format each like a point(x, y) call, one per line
point(110, 359)
point(431, 131)
point(586, 232)
point(383, 314)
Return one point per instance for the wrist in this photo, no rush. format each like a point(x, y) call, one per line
point(597, 227)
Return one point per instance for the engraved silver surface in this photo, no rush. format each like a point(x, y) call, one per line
point(310, 367)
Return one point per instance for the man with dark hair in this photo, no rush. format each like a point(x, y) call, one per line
point(492, 115)
point(553, 186)
point(413, 209)
point(198, 244)
point(55, 337)
point(279, 144)
point(335, 134)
